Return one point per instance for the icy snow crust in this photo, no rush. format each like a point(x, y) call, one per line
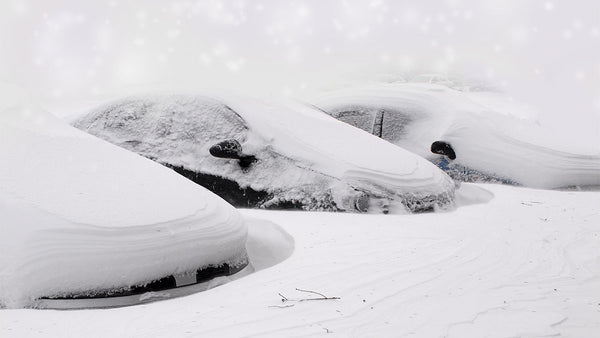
point(490, 145)
point(304, 156)
point(80, 215)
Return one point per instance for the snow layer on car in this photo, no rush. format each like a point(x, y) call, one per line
point(498, 145)
point(79, 215)
point(302, 154)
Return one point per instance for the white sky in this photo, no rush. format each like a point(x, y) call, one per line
point(544, 53)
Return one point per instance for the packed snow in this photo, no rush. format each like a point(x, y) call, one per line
point(302, 154)
point(80, 215)
point(512, 262)
point(502, 145)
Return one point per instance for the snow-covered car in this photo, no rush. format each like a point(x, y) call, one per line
point(272, 155)
point(87, 224)
point(461, 134)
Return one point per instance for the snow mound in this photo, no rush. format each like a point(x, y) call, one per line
point(80, 215)
point(301, 156)
point(268, 244)
point(499, 146)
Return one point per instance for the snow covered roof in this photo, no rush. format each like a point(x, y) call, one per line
point(80, 214)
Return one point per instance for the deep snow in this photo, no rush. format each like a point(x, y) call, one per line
point(80, 215)
point(524, 263)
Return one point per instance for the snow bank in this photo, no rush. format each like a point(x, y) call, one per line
point(268, 244)
point(524, 264)
point(80, 215)
point(302, 155)
point(504, 144)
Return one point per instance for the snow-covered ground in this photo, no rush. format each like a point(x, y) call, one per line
point(509, 262)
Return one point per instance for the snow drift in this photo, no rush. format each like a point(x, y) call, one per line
point(79, 215)
point(490, 145)
point(295, 155)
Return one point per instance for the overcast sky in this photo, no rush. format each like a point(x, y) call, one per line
point(544, 53)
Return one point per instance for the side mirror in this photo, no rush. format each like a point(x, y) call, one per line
point(227, 149)
point(232, 149)
point(443, 148)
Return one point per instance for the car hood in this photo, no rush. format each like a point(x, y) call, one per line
point(337, 149)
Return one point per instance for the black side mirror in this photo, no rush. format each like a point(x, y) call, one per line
point(232, 149)
point(227, 149)
point(443, 148)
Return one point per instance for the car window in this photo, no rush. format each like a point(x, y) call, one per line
point(395, 125)
point(360, 118)
point(166, 125)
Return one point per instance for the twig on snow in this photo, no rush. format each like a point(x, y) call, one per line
point(322, 296)
point(282, 306)
point(313, 292)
